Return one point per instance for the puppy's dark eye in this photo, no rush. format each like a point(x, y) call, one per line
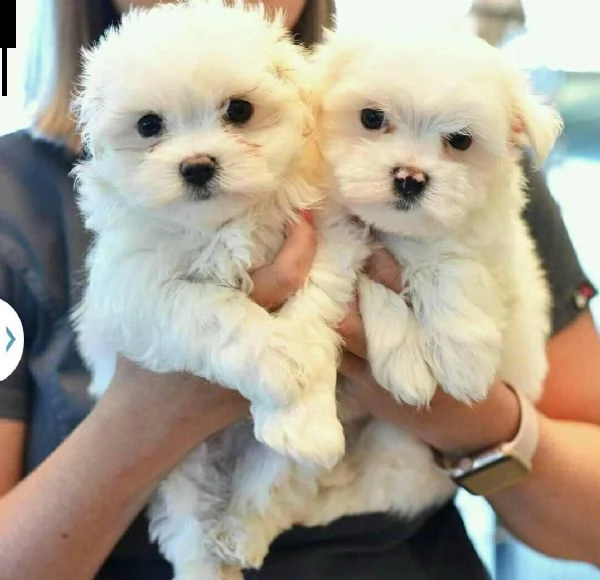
point(150, 125)
point(239, 111)
point(459, 141)
point(372, 119)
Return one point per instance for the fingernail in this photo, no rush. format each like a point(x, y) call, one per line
point(307, 215)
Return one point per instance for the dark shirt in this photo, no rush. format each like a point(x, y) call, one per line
point(42, 244)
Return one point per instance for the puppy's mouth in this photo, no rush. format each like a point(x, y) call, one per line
point(404, 204)
point(203, 193)
point(409, 187)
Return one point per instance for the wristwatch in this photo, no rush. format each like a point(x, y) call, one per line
point(501, 466)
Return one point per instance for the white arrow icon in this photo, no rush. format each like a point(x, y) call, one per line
point(11, 340)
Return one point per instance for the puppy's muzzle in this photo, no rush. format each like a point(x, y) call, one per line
point(409, 184)
point(198, 170)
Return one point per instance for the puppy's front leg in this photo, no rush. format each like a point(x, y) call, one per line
point(461, 318)
point(220, 334)
point(312, 315)
point(394, 343)
point(264, 500)
point(183, 509)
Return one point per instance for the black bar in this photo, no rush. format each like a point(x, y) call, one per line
point(8, 15)
point(4, 91)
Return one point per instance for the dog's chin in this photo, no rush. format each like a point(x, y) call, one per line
point(174, 203)
point(415, 219)
point(184, 207)
point(388, 218)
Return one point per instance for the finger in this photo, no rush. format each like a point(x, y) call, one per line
point(268, 292)
point(352, 330)
point(276, 282)
point(299, 249)
point(382, 267)
point(355, 368)
point(369, 394)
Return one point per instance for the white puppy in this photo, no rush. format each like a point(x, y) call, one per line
point(201, 148)
point(424, 136)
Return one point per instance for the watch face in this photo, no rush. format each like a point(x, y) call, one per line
point(490, 478)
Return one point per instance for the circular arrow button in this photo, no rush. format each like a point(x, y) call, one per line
point(11, 340)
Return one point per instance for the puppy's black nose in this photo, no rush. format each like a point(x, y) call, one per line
point(198, 170)
point(409, 182)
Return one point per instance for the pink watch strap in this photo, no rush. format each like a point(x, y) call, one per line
point(525, 442)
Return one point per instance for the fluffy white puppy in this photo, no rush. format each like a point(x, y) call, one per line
point(424, 136)
point(201, 147)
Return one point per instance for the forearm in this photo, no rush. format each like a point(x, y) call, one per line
point(64, 519)
point(547, 509)
point(554, 509)
point(12, 438)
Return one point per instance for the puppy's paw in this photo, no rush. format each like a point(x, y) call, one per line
point(404, 373)
point(198, 570)
point(283, 377)
point(240, 543)
point(304, 431)
point(393, 338)
point(231, 573)
point(465, 370)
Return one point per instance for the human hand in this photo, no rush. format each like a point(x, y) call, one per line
point(274, 283)
point(447, 424)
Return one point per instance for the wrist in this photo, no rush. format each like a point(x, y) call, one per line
point(501, 465)
point(456, 429)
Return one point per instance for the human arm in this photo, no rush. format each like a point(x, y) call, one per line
point(550, 510)
point(12, 435)
point(63, 520)
point(545, 510)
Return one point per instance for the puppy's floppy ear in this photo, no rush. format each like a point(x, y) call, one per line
point(329, 59)
point(534, 123)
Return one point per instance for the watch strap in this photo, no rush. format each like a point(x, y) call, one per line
point(500, 466)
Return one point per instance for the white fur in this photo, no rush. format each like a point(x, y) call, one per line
point(475, 304)
point(168, 275)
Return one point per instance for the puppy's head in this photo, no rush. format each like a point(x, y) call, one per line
point(195, 110)
point(417, 130)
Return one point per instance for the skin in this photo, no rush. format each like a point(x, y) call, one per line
point(63, 520)
point(292, 8)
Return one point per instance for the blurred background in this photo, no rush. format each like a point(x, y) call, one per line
point(558, 43)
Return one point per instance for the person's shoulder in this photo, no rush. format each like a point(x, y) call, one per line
point(39, 221)
point(15, 143)
point(29, 160)
point(34, 181)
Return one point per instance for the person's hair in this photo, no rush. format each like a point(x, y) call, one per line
point(65, 26)
point(317, 15)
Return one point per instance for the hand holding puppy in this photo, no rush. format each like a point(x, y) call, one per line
point(198, 408)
